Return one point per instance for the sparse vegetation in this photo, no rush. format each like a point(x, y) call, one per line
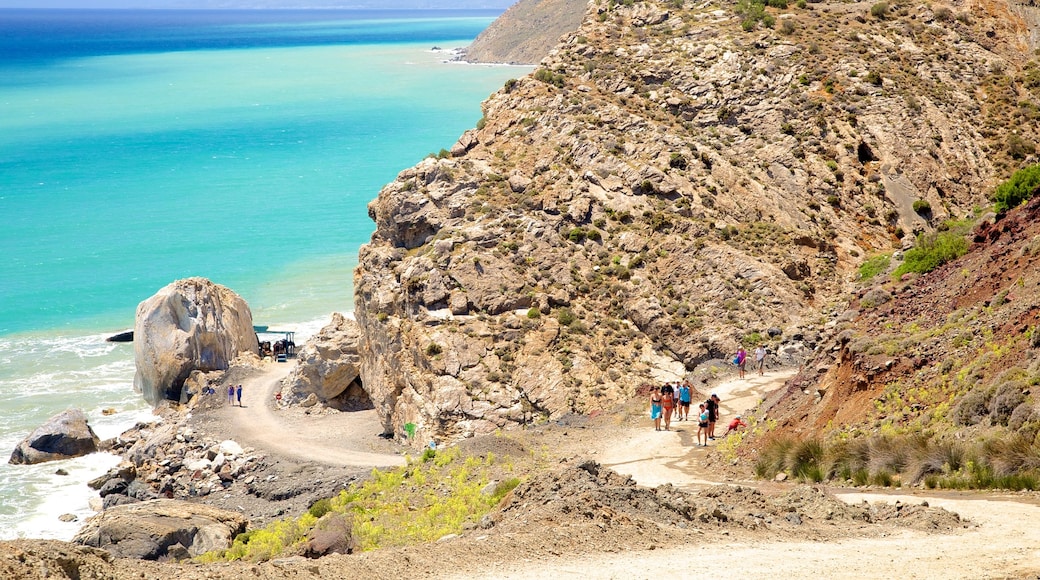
point(933, 250)
point(419, 502)
point(890, 461)
point(874, 265)
point(1022, 186)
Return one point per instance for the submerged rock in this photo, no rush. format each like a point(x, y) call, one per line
point(63, 436)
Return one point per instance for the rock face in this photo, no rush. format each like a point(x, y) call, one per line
point(161, 528)
point(63, 436)
point(668, 185)
point(329, 367)
point(527, 31)
point(189, 325)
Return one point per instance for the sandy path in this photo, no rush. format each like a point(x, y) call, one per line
point(1004, 544)
point(344, 439)
point(654, 458)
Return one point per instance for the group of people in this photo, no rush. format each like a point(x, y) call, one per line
point(232, 392)
point(760, 360)
point(671, 398)
point(675, 398)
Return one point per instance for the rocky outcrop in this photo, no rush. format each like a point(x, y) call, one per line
point(189, 325)
point(672, 181)
point(63, 436)
point(329, 367)
point(526, 32)
point(161, 529)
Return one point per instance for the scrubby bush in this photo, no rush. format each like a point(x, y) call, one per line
point(879, 10)
point(549, 77)
point(1023, 185)
point(1006, 398)
point(972, 408)
point(922, 207)
point(874, 266)
point(933, 250)
point(753, 12)
point(320, 507)
point(566, 316)
point(875, 297)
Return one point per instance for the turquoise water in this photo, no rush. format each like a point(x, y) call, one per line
point(242, 147)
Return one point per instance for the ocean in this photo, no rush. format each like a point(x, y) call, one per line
point(141, 147)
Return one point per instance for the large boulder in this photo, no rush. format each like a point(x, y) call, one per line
point(63, 436)
point(189, 325)
point(328, 365)
point(154, 529)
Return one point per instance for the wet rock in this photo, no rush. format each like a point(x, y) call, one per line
point(63, 436)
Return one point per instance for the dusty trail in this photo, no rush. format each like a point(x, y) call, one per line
point(342, 439)
point(1005, 543)
point(654, 458)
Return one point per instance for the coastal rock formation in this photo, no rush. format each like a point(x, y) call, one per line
point(526, 32)
point(63, 436)
point(161, 528)
point(329, 367)
point(675, 180)
point(189, 325)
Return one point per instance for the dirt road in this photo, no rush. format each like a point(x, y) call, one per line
point(1005, 543)
point(343, 439)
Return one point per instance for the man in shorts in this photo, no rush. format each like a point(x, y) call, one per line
point(685, 396)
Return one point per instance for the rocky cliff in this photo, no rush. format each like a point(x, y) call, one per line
point(676, 179)
point(526, 32)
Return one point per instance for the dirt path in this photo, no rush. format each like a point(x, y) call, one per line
point(654, 458)
point(1005, 543)
point(343, 439)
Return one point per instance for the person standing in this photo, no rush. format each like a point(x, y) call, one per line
point(702, 425)
point(741, 359)
point(239, 393)
point(667, 403)
point(712, 406)
point(655, 408)
point(760, 359)
point(231, 395)
point(685, 397)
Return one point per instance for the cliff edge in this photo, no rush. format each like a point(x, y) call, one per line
point(672, 181)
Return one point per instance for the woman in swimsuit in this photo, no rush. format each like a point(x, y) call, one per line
point(667, 404)
point(655, 409)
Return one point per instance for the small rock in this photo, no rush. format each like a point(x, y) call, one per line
point(780, 477)
point(61, 472)
point(67, 517)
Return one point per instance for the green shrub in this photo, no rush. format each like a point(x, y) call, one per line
point(577, 235)
point(753, 12)
point(549, 77)
point(879, 10)
point(874, 266)
point(533, 312)
point(921, 206)
point(932, 250)
point(1023, 185)
point(566, 316)
point(873, 77)
point(433, 349)
point(319, 508)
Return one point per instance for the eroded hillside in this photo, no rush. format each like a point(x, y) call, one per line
point(673, 180)
point(939, 371)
